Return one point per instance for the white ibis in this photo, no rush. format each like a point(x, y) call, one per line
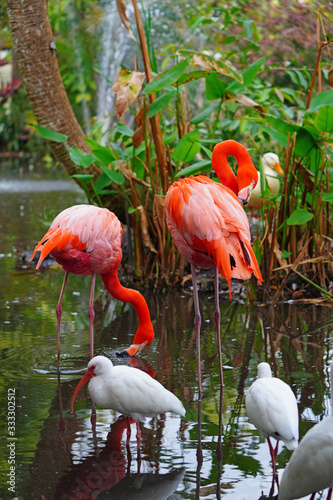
point(271, 166)
point(127, 390)
point(311, 466)
point(272, 407)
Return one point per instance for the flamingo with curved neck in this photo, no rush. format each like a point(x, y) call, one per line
point(85, 239)
point(210, 228)
point(247, 175)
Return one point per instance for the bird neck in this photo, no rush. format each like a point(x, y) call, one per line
point(145, 331)
point(246, 171)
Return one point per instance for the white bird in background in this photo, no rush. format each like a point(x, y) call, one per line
point(311, 466)
point(272, 407)
point(128, 390)
point(271, 166)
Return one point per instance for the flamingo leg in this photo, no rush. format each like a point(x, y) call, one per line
point(329, 495)
point(91, 314)
point(312, 497)
point(197, 325)
point(199, 456)
point(59, 313)
point(217, 319)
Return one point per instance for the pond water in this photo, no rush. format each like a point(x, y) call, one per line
point(59, 455)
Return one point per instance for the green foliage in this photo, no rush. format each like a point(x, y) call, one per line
point(219, 82)
point(51, 135)
point(237, 100)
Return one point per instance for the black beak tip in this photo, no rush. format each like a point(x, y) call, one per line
point(122, 354)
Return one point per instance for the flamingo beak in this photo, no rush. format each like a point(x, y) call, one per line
point(133, 350)
point(278, 168)
point(244, 194)
point(87, 376)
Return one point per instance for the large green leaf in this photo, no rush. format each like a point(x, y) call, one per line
point(222, 66)
point(167, 78)
point(193, 75)
point(161, 102)
point(200, 166)
point(277, 136)
point(248, 76)
point(50, 135)
point(124, 130)
point(83, 177)
point(187, 147)
point(324, 119)
point(320, 100)
point(299, 216)
point(328, 197)
point(116, 177)
point(80, 158)
point(102, 182)
point(103, 153)
point(281, 125)
point(304, 142)
point(205, 113)
point(215, 87)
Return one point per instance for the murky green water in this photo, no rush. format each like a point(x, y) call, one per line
point(59, 455)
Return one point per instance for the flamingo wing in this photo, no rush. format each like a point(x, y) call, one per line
point(83, 239)
point(210, 228)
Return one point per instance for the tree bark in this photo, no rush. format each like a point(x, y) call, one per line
point(38, 66)
point(37, 62)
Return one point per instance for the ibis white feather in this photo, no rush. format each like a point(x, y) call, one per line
point(272, 407)
point(311, 466)
point(128, 390)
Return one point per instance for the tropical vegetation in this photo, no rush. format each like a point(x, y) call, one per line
point(258, 73)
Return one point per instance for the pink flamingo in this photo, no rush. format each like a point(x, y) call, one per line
point(86, 239)
point(210, 228)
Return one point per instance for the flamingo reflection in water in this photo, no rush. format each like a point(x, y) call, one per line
point(109, 472)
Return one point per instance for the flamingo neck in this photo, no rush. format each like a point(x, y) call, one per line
point(246, 172)
point(145, 331)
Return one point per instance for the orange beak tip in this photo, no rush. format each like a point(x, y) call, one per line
point(278, 168)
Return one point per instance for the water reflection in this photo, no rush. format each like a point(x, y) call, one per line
point(106, 474)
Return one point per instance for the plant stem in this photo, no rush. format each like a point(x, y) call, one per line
point(155, 121)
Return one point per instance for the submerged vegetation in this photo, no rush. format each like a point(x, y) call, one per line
point(226, 75)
